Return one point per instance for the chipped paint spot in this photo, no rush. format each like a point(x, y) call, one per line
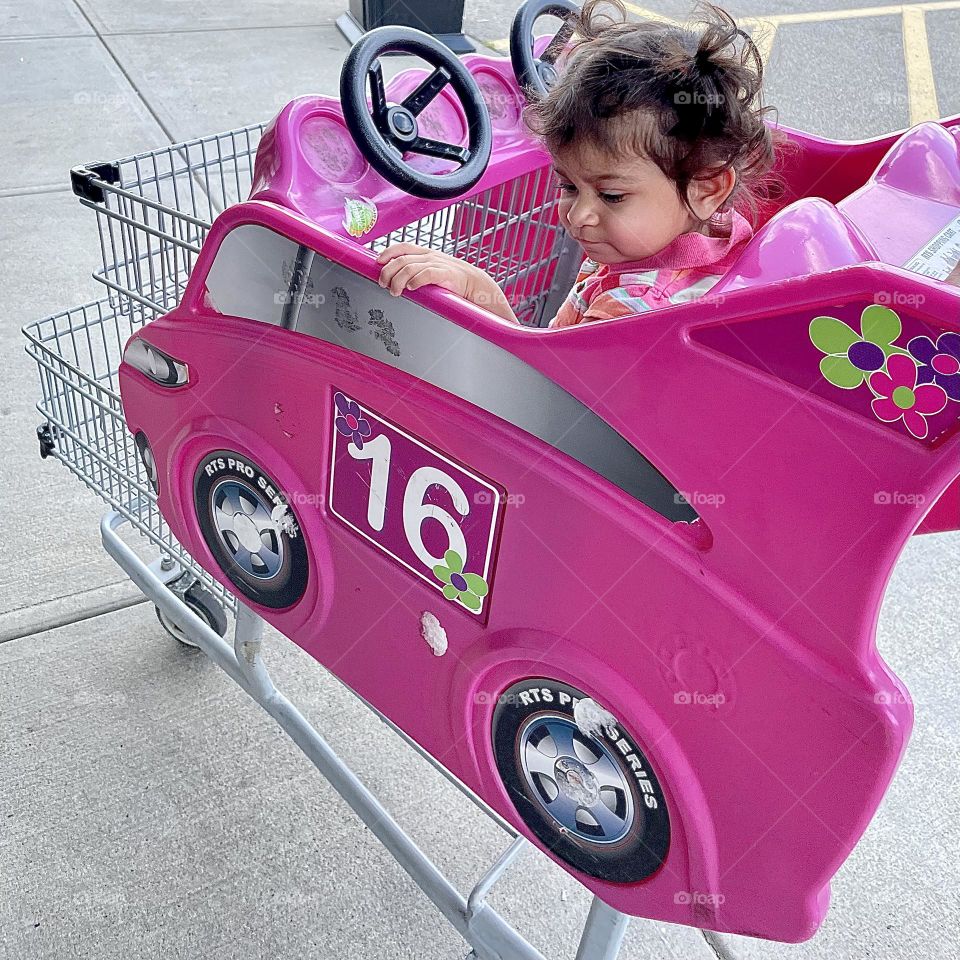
point(592, 720)
point(284, 520)
point(433, 633)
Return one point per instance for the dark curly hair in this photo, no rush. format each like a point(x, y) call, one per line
point(686, 97)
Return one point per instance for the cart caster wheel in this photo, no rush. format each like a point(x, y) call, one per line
point(204, 604)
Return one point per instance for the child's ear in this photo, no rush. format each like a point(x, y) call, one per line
point(708, 196)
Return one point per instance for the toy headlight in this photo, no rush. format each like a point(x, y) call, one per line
point(157, 365)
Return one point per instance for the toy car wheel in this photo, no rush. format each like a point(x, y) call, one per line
point(593, 800)
point(250, 529)
point(203, 603)
point(539, 74)
point(147, 459)
point(384, 132)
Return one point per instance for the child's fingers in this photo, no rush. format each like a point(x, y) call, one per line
point(399, 250)
point(390, 271)
point(428, 275)
point(401, 279)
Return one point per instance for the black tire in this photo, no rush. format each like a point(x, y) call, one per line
point(147, 459)
point(264, 559)
point(594, 801)
point(204, 604)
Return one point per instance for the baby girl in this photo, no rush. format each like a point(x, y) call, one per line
point(656, 134)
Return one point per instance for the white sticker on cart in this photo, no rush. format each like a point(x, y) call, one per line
point(359, 215)
point(940, 258)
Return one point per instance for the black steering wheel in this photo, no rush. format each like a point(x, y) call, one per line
point(384, 135)
point(539, 74)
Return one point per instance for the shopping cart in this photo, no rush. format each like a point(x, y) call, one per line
point(153, 212)
point(648, 821)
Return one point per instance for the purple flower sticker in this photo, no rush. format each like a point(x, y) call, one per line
point(350, 421)
point(938, 362)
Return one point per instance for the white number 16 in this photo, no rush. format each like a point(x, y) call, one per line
point(415, 509)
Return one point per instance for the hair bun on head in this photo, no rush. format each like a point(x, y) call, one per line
point(703, 61)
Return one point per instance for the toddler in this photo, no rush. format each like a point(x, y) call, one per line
point(656, 134)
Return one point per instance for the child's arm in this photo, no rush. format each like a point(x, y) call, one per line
point(407, 266)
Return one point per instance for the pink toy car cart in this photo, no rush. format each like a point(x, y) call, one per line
point(620, 581)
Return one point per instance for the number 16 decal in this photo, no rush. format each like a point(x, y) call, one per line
point(431, 515)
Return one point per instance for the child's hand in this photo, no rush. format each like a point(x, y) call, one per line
point(407, 266)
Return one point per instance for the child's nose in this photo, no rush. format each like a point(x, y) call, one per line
point(582, 212)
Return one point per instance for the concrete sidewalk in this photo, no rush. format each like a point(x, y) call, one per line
point(147, 808)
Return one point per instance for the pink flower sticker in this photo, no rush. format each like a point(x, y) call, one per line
point(899, 397)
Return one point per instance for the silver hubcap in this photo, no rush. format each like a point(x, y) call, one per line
point(247, 531)
point(576, 780)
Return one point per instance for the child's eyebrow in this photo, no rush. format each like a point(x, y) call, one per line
point(601, 178)
point(613, 177)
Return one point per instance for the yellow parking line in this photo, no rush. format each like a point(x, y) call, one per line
point(921, 89)
point(762, 29)
point(646, 14)
point(818, 16)
point(889, 10)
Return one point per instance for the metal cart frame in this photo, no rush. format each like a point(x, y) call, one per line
point(153, 211)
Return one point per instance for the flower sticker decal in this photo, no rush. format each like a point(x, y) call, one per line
point(349, 420)
point(468, 588)
point(938, 362)
point(908, 385)
point(850, 356)
point(899, 396)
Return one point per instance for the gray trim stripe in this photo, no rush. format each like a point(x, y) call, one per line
point(257, 275)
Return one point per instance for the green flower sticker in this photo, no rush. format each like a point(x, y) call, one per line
point(468, 588)
point(359, 216)
point(850, 356)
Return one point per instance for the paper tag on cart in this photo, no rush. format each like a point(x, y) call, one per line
point(940, 258)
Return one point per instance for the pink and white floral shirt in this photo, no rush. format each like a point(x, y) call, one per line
point(685, 269)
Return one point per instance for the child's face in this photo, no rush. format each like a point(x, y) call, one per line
point(618, 209)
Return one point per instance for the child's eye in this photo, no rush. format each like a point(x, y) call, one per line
point(566, 187)
point(611, 197)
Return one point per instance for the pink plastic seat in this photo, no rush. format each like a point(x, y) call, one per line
point(924, 162)
point(913, 195)
point(809, 236)
point(905, 206)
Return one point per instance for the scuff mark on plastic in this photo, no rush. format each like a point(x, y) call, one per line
point(433, 633)
point(592, 720)
point(383, 330)
point(344, 316)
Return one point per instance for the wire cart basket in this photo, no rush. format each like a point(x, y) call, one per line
point(153, 212)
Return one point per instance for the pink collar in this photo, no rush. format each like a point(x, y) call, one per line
point(694, 250)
